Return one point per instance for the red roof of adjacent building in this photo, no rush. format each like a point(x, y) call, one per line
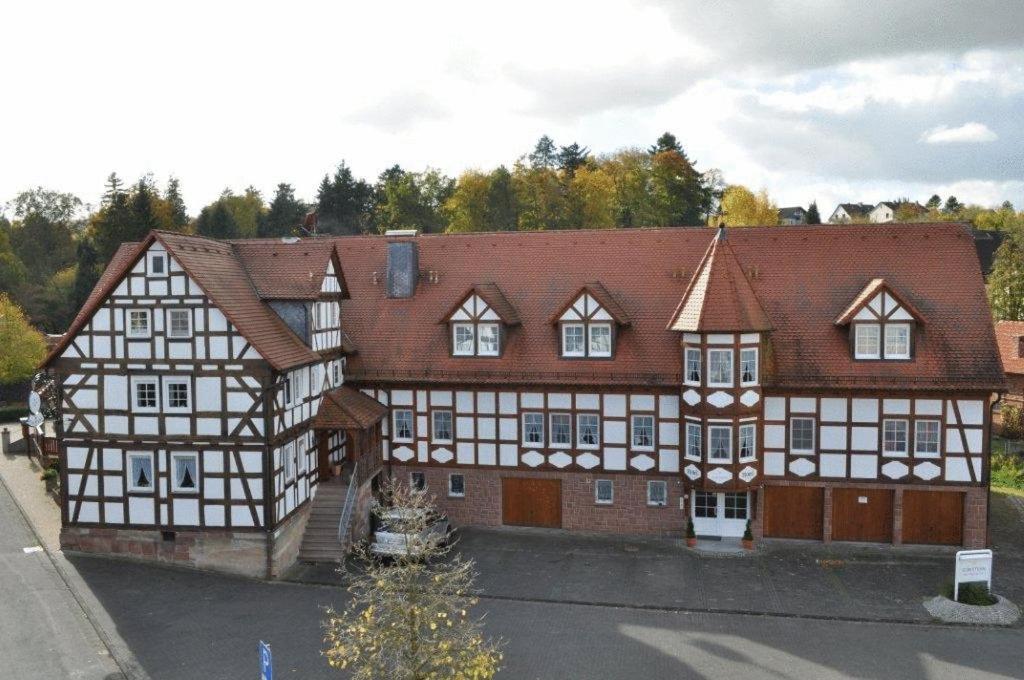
point(794, 279)
point(1010, 335)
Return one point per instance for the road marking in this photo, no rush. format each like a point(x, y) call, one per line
point(33, 549)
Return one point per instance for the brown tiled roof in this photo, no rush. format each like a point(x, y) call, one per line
point(286, 270)
point(495, 299)
point(874, 287)
point(807, 275)
point(347, 409)
point(719, 297)
point(603, 298)
point(1010, 335)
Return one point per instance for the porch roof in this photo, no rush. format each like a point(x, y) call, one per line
point(348, 409)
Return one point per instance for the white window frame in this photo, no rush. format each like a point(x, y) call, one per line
point(479, 340)
point(463, 325)
point(891, 327)
point(583, 339)
point(750, 430)
point(580, 444)
point(597, 492)
point(857, 330)
point(686, 366)
point(899, 453)
point(145, 380)
point(187, 382)
point(792, 432)
point(130, 482)
point(187, 313)
point(754, 381)
point(288, 392)
point(527, 442)
point(567, 444)
point(336, 372)
point(433, 426)
point(657, 483)
point(718, 351)
point(633, 432)
point(288, 461)
point(394, 426)
point(175, 486)
point(694, 428)
point(130, 332)
point(150, 258)
point(917, 438)
point(412, 481)
point(601, 354)
point(451, 492)
point(712, 429)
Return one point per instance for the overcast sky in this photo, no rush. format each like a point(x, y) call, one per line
point(851, 101)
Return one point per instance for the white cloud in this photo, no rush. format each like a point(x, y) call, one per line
point(972, 133)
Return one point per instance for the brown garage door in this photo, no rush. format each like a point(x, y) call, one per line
point(862, 515)
point(793, 511)
point(531, 502)
point(933, 517)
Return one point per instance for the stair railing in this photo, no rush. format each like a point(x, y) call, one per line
point(350, 501)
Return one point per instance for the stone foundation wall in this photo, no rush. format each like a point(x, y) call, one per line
point(628, 514)
point(233, 552)
point(288, 540)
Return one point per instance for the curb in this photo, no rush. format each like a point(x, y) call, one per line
point(122, 656)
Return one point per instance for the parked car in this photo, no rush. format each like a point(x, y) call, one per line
point(391, 540)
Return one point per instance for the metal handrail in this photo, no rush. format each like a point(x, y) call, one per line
point(350, 500)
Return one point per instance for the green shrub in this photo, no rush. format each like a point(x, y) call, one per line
point(1013, 424)
point(971, 593)
point(690, 533)
point(50, 473)
point(748, 535)
point(1007, 470)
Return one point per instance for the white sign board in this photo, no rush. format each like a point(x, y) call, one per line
point(972, 566)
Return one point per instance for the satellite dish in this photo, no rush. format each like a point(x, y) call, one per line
point(35, 420)
point(34, 402)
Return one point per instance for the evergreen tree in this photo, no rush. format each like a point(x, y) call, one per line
point(176, 205)
point(813, 217)
point(285, 213)
point(502, 209)
point(572, 157)
point(545, 154)
point(1007, 205)
point(215, 221)
point(344, 203)
point(952, 206)
point(667, 142)
point(87, 273)
point(934, 202)
point(113, 188)
point(112, 225)
point(143, 211)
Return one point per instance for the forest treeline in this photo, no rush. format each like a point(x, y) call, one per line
point(53, 246)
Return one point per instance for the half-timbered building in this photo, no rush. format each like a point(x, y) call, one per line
point(826, 383)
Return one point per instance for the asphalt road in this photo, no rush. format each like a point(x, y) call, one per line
point(44, 632)
point(185, 625)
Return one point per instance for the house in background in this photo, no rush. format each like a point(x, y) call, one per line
point(793, 215)
point(1010, 335)
point(889, 211)
point(213, 390)
point(849, 213)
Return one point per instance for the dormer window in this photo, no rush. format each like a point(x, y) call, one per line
point(157, 264)
point(882, 324)
point(587, 325)
point(478, 322)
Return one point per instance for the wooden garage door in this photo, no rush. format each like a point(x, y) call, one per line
point(933, 517)
point(793, 511)
point(531, 502)
point(862, 515)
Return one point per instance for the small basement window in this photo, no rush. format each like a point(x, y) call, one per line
point(456, 485)
point(657, 493)
point(417, 482)
point(604, 492)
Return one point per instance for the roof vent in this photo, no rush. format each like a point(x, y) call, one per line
point(401, 232)
point(290, 239)
point(403, 269)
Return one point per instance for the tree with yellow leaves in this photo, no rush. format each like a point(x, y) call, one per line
point(409, 618)
point(23, 345)
point(741, 207)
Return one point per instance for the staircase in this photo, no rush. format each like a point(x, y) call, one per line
point(320, 542)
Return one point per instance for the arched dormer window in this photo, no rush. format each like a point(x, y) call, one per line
point(882, 324)
point(478, 324)
point(589, 323)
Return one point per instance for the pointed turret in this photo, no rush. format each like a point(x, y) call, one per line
point(719, 297)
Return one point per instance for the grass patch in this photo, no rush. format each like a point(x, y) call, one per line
point(971, 593)
point(1007, 470)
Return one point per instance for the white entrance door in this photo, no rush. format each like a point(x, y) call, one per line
point(720, 514)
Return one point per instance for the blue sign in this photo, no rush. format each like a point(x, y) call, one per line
point(266, 666)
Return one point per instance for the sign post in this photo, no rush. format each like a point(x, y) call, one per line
point(266, 662)
point(972, 566)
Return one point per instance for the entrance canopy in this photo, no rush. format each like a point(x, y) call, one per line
point(348, 409)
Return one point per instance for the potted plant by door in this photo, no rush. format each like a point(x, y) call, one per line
point(748, 537)
point(691, 535)
point(51, 476)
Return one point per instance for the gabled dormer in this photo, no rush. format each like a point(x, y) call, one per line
point(478, 324)
point(589, 323)
point(882, 324)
